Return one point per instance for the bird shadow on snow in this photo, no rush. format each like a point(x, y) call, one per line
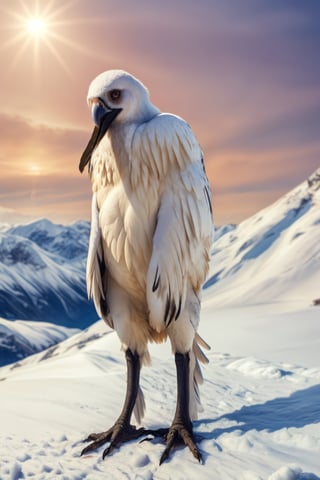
point(301, 408)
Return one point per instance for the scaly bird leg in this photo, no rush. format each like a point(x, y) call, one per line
point(122, 431)
point(181, 429)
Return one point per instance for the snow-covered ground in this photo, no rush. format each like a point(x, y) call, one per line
point(261, 396)
point(261, 417)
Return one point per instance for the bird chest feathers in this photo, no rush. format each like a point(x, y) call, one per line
point(127, 215)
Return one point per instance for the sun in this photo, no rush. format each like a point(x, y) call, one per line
point(42, 28)
point(34, 170)
point(37, 27)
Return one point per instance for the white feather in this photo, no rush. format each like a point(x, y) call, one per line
point(151, 225)
point(94, 281)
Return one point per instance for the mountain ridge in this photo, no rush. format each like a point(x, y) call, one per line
point(42, 274)
point(267, 246)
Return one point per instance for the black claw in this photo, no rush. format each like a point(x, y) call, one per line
point(97, 441)
point(198, 456)
point(164, 456)
point(83, 452)
point(87, 449)
point(108, 450)
point(167, 450)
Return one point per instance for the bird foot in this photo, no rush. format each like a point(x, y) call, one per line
point(175, 436)
point(179, 434)
point(120, 433)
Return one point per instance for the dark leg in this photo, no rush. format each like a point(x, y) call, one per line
point(122, 431)
point(181, 428)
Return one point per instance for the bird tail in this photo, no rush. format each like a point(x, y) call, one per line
point(196, 356)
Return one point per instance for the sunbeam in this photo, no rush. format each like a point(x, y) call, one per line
point(37, 29)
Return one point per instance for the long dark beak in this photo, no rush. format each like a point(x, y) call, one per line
point(103, 117)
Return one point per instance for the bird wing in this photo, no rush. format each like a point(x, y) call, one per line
point(96, 272)
point(183, 232)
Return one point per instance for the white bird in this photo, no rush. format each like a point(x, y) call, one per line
point(151, 233)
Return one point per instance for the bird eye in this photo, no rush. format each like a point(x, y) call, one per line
point(115, 95)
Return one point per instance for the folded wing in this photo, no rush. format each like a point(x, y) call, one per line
point(183, 232)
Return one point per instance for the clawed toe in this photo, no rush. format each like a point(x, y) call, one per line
point(118, 434)
point(97, 440)
point(178, 435)
point(175, 436)
point(93, 437)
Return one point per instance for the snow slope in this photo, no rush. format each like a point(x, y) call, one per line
point(261, 419)
point(264, 278)
point(273, 256)
point(261, 395)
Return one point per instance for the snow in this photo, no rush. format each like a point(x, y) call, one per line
point(278, 248)
point(279, 332)
point(261, 395)
point(261, 418)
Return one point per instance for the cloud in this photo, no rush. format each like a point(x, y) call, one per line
point(24, 143)
point(40, 173)
point(245, 75)
point(294, 128)
point(61, 197)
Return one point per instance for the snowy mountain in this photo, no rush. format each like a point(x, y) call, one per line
point(273, 256)
point(69, 243)
point(19, 339)
point(42, 274)
point(42, 279)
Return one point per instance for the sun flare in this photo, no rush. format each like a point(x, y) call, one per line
point(43, 28)
point(37, 26)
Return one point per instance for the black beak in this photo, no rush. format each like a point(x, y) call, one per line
point(104, 121)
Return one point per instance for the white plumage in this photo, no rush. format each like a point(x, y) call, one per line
point(151, 228)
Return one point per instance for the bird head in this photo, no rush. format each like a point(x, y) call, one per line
point(115, 97)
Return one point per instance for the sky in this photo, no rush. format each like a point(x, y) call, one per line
point(244, 74)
